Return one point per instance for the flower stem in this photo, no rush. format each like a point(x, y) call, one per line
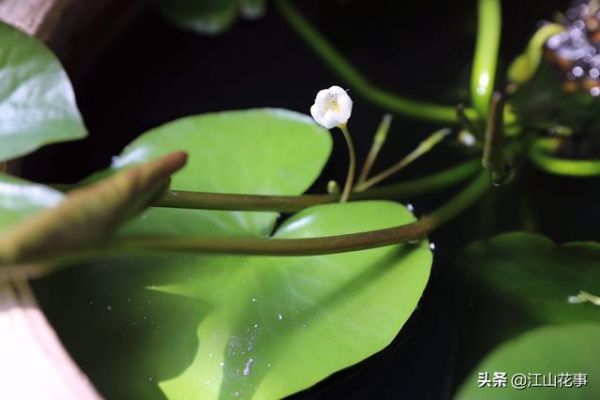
point(335, 61)
point(378, 142)
point(309, 246)
point(351, 166)
point(421, 149)
point(486, 55)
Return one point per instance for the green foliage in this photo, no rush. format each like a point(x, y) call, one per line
point(220, 326)
point(261, 151)
point(529, 280)
point(536, 275)
point(210, 17)
point(37, 104)
point(551, 349)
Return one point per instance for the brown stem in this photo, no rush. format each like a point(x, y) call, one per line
point(310, 246)
point(246, 202)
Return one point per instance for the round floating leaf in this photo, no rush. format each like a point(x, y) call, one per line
point(261, 151)
point(554, 350)
point(209, 17)
point(210, 327)
point(37, 104)
point(218, 326)
point(538, 276)
point(19, 199)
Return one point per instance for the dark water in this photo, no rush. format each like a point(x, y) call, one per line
point(154, 73)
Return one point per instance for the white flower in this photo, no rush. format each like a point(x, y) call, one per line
point(332, 107)
point(467, 138)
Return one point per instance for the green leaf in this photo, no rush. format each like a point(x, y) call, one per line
point(210, 17)
point(37, 104)
point(551, 349)
point(219, 326)
point(536, 275)
point(261, 151)
point(20, 199)
point(289, 322)
point(208, 327)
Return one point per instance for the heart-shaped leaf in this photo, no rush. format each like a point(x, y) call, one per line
point(208, 17)
point(208, 326)
point(250, 327)
point(37, 104)
point(549, 363)
point(536, 275)
point(261, 151)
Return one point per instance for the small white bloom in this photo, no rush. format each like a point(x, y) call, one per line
point(332, 107)
point(467, 138)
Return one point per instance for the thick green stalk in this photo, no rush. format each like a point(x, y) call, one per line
point(390, 101)
point(540, 153)
point(486, 55)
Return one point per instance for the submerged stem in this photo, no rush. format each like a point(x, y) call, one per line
point(351, 164)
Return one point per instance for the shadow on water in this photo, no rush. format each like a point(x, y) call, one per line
point(108, 318)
